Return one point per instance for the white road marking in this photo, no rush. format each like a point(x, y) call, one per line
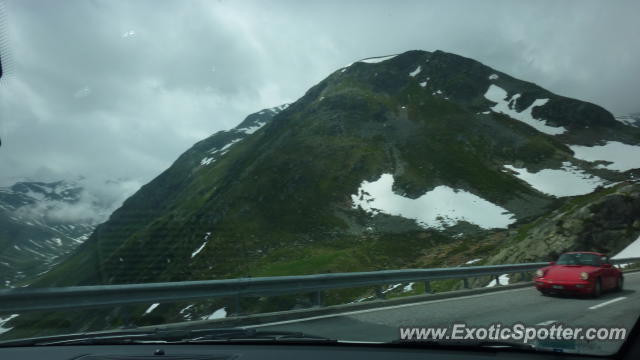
point(545, 323)
point(607, 303)
point(383, 308)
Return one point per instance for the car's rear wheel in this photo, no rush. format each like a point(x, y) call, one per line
point(597, 289)
point(620, 283)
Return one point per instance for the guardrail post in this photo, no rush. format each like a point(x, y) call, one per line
point(127, 323)
point(379, 292)
point(466, 283)
point(427, 287)
point(317, 299)
point(497, 278)
point(237, 308)
point(524, 276)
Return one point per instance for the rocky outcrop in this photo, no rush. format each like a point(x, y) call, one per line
point(604, 221)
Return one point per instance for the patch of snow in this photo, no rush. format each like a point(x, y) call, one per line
point(207, 161)
point(219, 152)
point(629, 120)
point(251, 129)
point(128, 34)
point(151, 308)
point(493, 77)
point(567, 181)
point(280, 108)
point(376, 60)
point(4, 320)
point(498, 95)
point(622, 156)
point(437, 92)
point(472, 261)
point(225, 148)
point(193, 254)
point(503, 279)
point(416, 71)
point(186, 308)
point(632, 250)
point(391, 288)
point(438, 208)
point(408, 288)
point(218, 314)
point(423, 84)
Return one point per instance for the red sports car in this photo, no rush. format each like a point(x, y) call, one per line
point(587, 273)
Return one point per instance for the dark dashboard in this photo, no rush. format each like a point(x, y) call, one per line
point(253, 351)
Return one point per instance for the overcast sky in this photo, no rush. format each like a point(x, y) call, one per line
point(119, 89)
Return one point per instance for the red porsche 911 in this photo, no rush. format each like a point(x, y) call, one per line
point(585, 273)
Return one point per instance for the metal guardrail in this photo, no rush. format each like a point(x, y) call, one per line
point(21, 300)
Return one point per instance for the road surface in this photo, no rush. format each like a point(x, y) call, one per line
point(524, 305)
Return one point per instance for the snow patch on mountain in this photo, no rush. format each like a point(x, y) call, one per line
point(218, 314)
point(217, 153)
point(151, 308)
point(416, 71)
point(277, 109)
point(439, 208)
point(622, 156)
point(251, 129)
point(506, 106)
point(4, 320)
point(630, 120)
point(207, 161)
point(376, 60)
point(567, 181)
point(197, 251)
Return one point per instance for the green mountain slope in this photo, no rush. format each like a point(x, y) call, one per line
point(284, 191)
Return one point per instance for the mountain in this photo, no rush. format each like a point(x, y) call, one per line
point(631, 119)
point(364, 152)
point(41, 223)
point(412, 160)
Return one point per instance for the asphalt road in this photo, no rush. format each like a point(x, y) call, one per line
point(524, 305)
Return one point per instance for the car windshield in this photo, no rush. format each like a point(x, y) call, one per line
point(383, 171)
point(580, 259)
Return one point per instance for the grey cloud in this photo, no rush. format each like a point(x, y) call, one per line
point(117, 89)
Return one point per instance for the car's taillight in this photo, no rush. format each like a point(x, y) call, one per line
point(539, 273)
point(584, 276)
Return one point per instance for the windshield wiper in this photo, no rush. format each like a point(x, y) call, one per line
point(201, 336)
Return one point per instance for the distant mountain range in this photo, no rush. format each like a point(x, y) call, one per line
point(631, 119)
point(420, 159)
point(41, 223)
